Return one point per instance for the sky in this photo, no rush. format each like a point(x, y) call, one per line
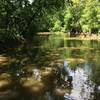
point(31, 1)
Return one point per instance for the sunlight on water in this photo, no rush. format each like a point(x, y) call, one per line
point(82, 87)
point(56, 73)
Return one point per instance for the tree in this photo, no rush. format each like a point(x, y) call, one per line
point(20, 17)
point(89, 18)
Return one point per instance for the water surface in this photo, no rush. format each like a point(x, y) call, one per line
point(37, 79)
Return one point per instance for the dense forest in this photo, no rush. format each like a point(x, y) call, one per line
point(23, 18)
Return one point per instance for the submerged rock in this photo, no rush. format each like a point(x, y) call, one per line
point(4, 60)
point(59, 92)
point(5, 81)
point(8, 94)
point(4, 84)
point(34, 86)
point(47, 72)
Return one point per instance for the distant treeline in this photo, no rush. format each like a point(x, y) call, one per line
point(79, 16)
point(22, 19)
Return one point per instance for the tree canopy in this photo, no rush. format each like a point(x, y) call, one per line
point(24, 18)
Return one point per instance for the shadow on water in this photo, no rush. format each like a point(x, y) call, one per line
point(52, 71)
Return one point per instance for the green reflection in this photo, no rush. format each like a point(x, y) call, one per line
point(45, 54)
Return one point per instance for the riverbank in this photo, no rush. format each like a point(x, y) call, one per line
point(66, 36)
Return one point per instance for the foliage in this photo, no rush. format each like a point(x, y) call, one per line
point(79, 16)
point(20, 18)
point(89, 18)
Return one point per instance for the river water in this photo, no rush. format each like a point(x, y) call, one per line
point(44, 79)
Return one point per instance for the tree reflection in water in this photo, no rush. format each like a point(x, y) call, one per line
point(79, 80)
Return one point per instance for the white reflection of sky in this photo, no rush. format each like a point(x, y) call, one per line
point(31, 1)
point(82, 88)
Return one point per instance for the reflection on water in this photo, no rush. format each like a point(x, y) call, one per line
point(60, 73)
point(82, 87)
point(37, 74)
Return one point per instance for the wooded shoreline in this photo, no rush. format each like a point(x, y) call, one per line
point(77, 36)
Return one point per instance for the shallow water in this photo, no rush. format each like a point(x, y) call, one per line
point(44, 80)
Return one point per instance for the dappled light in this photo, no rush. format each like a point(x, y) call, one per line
point(39, 72)
point(4, 60)
point(49, 50)
point(42, 76)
